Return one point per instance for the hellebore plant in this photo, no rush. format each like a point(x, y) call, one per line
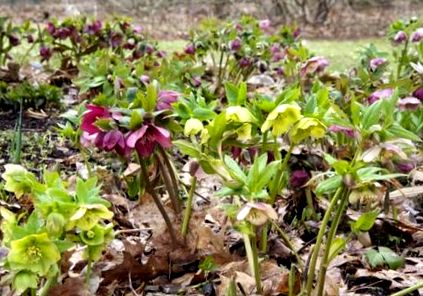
point(60, 220)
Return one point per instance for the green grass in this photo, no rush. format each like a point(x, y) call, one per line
point(341, 54)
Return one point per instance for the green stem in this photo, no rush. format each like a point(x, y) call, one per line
point(409, 289)
point(252, 256)
point(401, 61)
point(169, 186)
point(291, 281)
point(287, 242)
point(171, 172)
point(188, 210)
point(219, 78)
point(316, 249)
point(17, 145)
point(89, 270)
point(332, 232)
point(264, 143)
point(157, 201)
point(310, 203)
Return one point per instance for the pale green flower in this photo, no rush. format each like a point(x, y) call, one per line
point(24, 280)
point(257, 213)
point(88, 215)
point(192, 127)
point(282, 118)
point(35, 253)
point(307, 127)
point(18, 179)
point(239, 114)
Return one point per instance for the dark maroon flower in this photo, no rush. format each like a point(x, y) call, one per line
point(166, 98)
point(196, 81)
point(299, 178)
point(63, 33)
point(13, 40)
point(161, 54)
point(409, 104)
point(137, 29)
point(137, 54)
point(418, 93)
point(51, 28)
point(314, 65)
point(124, 26)
point(190, 49)
point(91, 116)
point(149, 49)
point(30, 38)
point(417, 35)
point(347, 131)
point(236, 44)
point(380, 94)
point(296, 33)
point(94, 28)
point(145, 139)
point(405, 167)
point(116, 40)
point(130, 44)
point(45, 53)
point(400, 37)
point(279, 71)
point(245, 62)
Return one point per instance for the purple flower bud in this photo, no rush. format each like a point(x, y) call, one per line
point(145, 79)
point(380, 94)
point(314, 65)
point(161, 54)
point(45, 53)
point(235, 44)
point(299, 178)
point(417, 35)
point(265, 25)
point(130, 44)
point(279, 71)
point(51, 28)
point(116, 40)
point(190, 49)
point(149, 49)
point(196, 81)
point(138, 29)
point(347, 131)
point(30, 39)
point(238, 27)
point(418, 93)
point(13, 40)
point(400, 37)
point(296, 33)
point(409, 104)
point(376, 63)
point(137, 54)
point(405, 167)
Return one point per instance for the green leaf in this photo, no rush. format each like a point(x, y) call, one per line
point(266, 176)
point(231, 93)
point(365, 222)
point(149, 101)
point(397, 131)
point(374, 258)
point(188, 148)
point(372, 114)
point(136, 119)
point(234, 169)
point(338, 244)
point(242, 94)
point(393, 260)
point(329, 185)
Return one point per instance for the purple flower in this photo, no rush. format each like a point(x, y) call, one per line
point(145, 139)
point(418, 93)
point(149, 49)
point(63, 33)
point(236, 44)
point(13, 40)
point(277, 53)
point(265, 25)
point(112, 140)
point(30, 38)
point(51, 28)
point(145, 79)
point(166, 98)
point(347, 131)
point(190, 49)
point(409, 104)
point(400, 37)
point(196, 81)
point(137, 29)
point(45, 53)
point(245, 62)
point(405, 167)
point(239, 27)
point(279, 71)
point(417, 35)
point(380, 94)
point(376, 63)
point(161, 54)
point(298, 178)
point(94, 28)
point(130, 44)
point(116, 40)
point(296, 33)
point(91, 116)
point(314, 65)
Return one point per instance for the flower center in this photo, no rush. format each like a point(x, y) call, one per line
point(34, 253)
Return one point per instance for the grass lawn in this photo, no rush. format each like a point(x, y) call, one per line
point(342, 54)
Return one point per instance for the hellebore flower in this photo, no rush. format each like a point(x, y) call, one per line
point(192, 127)
point(91, 116)
point(190, 49)
point(409, 104)
point(235, 44)
point(30, 38)
point(161, 54)
point(376, 63)
point(145, 79)
point(400, 37)
point(137, 29)
point(116, 40)
point(243, 116)
point(299, 178)
point(88, 215)
point(45, 53)
point(35, 253)
point(281, 119)
point(24, 280)
point(244, 62)
point(265, 25)
point(51, 28)
point(279, 71)
point(314, 65)
point(166, 98)
point(417, 35)
point(296, 33)
point(149, 49)
point(257, 213)
point(405, 167)
point(62, 33)
point(94, 28)
point(112, 140)
point(13, 40)
point(145, 139)
point(18, 179)
point(418, 93)
point(196, 81)
point(307, 127)
point(93, 236)
point(130, 44)
point(380, 94)
point(347, 131)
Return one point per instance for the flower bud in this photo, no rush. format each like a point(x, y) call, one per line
point(55, 224)
point(417, 35)
point(193, 168)
point(400, 37)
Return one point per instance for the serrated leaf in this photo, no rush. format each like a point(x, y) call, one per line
point(365, 222)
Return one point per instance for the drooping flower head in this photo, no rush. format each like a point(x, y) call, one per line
point(14, 40)
point(235, 44)
point(147, 138)
point(400, 37)
point(307, 127)
point(314, 65)
point(91, 116)
point(190, 49)
point(299, 178)
point(193, 126)
point(409, 104)
point(376, 63)
point(282, 118)
point(257, 213)
point(166, 98)
point(45, 53)
point(418, 93)
point(380, 94)
point(265, 25)
point(94, 28)
point(417, 35)
point(347, 131)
